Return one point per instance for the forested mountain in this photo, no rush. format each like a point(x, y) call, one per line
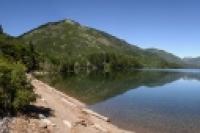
point(67, 44)
point(192, 61)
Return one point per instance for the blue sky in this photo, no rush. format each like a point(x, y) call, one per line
point(172, 25)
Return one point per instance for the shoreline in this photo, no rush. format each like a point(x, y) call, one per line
point(69, 114)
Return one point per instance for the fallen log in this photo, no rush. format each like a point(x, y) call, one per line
point(96, 114)
point(68, 102)
point(67, 123)
point(102, 129)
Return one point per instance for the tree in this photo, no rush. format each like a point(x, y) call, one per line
point(33, 57)
point(1, 29)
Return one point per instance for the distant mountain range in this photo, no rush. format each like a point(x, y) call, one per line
point(192, 61)
point(68, 42)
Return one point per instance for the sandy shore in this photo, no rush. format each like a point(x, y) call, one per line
point(69, 115)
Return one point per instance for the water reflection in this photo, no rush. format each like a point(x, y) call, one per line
point(145, 101)
point(168, 104)
point(96, 87)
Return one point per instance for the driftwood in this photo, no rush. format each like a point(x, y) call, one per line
point(67, 123)
point(96, 114)
point(68, 102)
point(102, 129)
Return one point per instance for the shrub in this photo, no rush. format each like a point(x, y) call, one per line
point(15, 90)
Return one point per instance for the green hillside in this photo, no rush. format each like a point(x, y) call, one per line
point(65, 44)
point(166, 55)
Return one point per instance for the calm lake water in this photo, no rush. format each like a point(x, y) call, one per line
point(145, 101)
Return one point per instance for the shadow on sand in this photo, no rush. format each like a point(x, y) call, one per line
point(35, 111)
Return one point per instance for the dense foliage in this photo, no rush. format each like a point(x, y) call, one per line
point(15, 91)
point(15, 60)
point(16, 51)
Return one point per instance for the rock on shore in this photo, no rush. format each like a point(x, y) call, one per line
point(27, 125)
point(4, 125)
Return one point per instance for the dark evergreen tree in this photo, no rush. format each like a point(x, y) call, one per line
point(1, 29)
point(34, 57)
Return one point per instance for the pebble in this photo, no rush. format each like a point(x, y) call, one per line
point(43, 125)
point(41, 116)
point(4, 125)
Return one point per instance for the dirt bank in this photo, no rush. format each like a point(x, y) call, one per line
point(68, 115)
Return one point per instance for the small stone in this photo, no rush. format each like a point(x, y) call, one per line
point(43, 125)
point(41, 116)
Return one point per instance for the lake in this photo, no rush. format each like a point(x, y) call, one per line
point(145, 101)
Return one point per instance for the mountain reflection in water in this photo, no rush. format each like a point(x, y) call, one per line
point(96, 86)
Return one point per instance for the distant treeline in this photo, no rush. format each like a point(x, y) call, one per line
point(95, 61)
